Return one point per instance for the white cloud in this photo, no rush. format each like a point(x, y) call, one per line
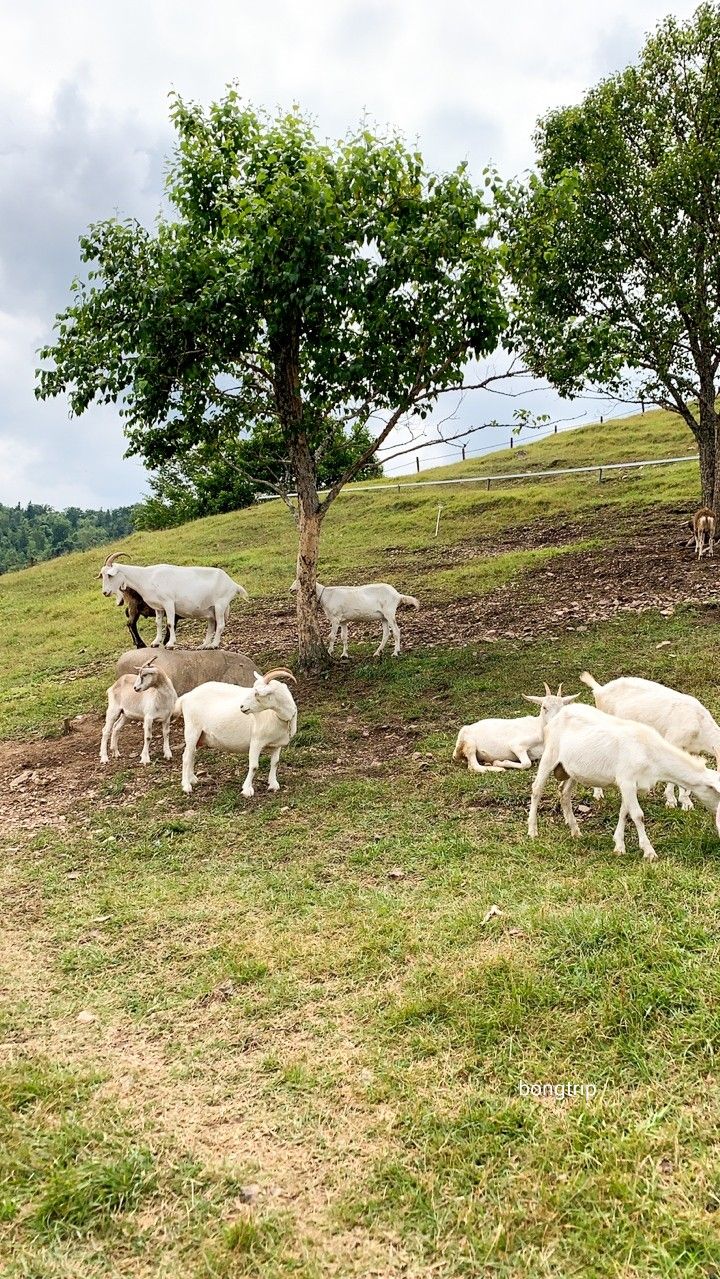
point(84, 128)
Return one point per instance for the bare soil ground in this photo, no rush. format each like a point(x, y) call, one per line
point(644, 564)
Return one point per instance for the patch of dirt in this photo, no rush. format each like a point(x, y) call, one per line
point(644, 564)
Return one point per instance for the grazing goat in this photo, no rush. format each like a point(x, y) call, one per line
point(585, 745)
point(188, 667)
point(678, 717)
point(509, 743)
point(375, 602)
point(176, 592)
point(255, 720)
point(703, 525)
point(148, 696)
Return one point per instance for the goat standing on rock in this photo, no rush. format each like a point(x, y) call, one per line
point(230, 718)
point(147, 696)
point(175, 591)
point(375, 602)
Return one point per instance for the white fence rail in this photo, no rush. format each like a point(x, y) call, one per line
point(396, 485)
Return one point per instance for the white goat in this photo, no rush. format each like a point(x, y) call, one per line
point(148, 695)
point(585, 745)
point(176, 591)
point(231, 718)
point(509, 743)
point(375, 602)
point(680, 718)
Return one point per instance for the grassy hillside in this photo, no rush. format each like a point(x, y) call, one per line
point(288, 1037)
point(65, 634)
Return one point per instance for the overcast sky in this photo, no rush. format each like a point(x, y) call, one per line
point(84, 133)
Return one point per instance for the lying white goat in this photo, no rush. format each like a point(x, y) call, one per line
point(680, 718)
point(509, 743)
point(258, 719)
point(585, 745)
point(148, 696)
point(375, 602)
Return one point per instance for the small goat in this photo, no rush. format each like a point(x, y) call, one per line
point(375, 602)
point(509, 743)
point(148, 696)
point(230, 718)
point(135, 608)
point(703, 524)
point(678, 717)
point(585, 745)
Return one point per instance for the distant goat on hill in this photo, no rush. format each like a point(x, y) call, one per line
point(703, 523)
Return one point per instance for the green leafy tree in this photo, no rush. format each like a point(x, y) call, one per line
point(300, 286)
point(614, 246)
point(211, 480)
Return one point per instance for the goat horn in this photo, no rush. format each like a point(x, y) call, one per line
point(559, 692)
point(281, 671)
point(548, 691)
point(116, 555)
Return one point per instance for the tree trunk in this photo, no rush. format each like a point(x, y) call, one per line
point(312, 650)
point(708, 448)
point(708, 459)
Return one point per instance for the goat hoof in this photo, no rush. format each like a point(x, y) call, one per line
point(650, 857)
point(687, 806)
point(275, 787)
point(248, 792)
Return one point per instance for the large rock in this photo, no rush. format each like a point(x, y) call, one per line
point(188, 667)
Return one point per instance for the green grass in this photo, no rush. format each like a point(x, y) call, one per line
point(65, 635)
point(309, 1050)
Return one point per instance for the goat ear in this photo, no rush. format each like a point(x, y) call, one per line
point(530, 698)
point(570, 697)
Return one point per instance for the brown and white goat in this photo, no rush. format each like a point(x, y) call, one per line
point(147, 696)
point(703, 523)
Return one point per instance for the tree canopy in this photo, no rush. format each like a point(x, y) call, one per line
point(299, 286)
point(212, 479)
point(36, 532)
point(613, 247)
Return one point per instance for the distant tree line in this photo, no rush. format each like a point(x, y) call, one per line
point(29, 534)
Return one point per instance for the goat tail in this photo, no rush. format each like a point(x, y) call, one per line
point(177, 708)
point(587, 678)
point(409, 600)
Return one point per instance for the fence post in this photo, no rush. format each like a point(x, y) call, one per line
point(417, 464)
point(463, 452)
point(511, 441)
point(600, 471)
point(555, 432)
